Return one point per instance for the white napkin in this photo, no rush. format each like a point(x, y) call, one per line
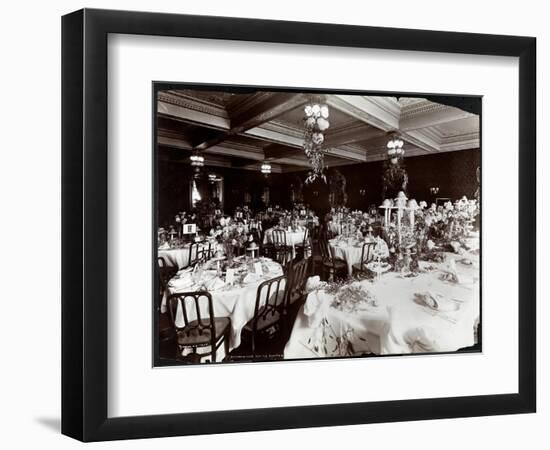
point(314, 283)
point(435, 301)
point(214, 284)
point(429, 299)
point(182, 272)
point(181, 283)
point(450, 273)
point(316, 307)
point(251, 277)
point(456, 247)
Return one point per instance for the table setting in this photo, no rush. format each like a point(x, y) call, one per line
point(232, 284)
point(349, 249)
point(295, 235)
point(176, 253)
point(435, 311)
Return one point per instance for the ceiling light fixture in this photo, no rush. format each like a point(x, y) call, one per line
point(266, 168)
point(197, 160)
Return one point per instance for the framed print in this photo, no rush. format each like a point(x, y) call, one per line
point(338, 206)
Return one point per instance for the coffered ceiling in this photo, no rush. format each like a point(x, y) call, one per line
point(244, 129)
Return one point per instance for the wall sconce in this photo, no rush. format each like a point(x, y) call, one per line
point(362, 192)
point(434, 190)
point(316, 193)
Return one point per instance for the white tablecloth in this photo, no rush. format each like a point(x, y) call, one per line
point(305, 222)
point(179, 257)
point(348, 250)
point(397, 325)
point(176, 257)
point(293, 238)
point(235, 302)
point(334, 227)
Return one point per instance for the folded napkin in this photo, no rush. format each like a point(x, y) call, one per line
point(181, 283)
point(450, 273)
point(214, 284)
point(314, 283)
point(429, 299)
point(435, 301)
point(457, 248)
point(316, 307)
point(182, 272)
point(165, 246)
point(419, 341)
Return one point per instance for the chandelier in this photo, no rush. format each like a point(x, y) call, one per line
point(395, 148)
point(316, 122)
point(266, 168)
point(197, 160)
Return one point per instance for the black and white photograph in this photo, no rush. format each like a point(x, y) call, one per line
point(275, 225)
point(307, 224)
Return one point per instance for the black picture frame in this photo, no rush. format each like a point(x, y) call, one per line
point(84, 224)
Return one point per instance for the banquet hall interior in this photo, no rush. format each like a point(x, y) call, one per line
point(297, 225)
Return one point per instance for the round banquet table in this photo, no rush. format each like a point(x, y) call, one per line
point(347, 249)
point(293, 238)
point(305, 222)
point(178, 257)
point(175, 257)
point(234, 301)
point(397, 324)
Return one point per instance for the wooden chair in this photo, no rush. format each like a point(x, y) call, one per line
point(269, 308)
point(199, 251)
point(165, 272)
point(194, 253)
point(281, 251)
point(316, 260)
point(332, 267)
point(297, 282)
point(366, 252)
point(303, 249)
point(201, 329)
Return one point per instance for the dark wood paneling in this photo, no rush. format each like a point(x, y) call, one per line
point(453, 172)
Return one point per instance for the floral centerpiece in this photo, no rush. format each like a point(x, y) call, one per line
point(445, 225)
point(231, 237)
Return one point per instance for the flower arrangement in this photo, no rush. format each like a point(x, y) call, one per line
point(230, 237)
point(444, 224)
point(316, 123)
point(353, 297)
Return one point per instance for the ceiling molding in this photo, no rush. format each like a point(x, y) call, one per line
point(356, 132)
point(366, 110)
point(274, 137)
point(421, 139)
point(271, 106)
point(428, 114)
point(192, 116)
point(188, 102)
point(261, 118)
point(283, 128)
point(266, 109)
point(461, 142)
